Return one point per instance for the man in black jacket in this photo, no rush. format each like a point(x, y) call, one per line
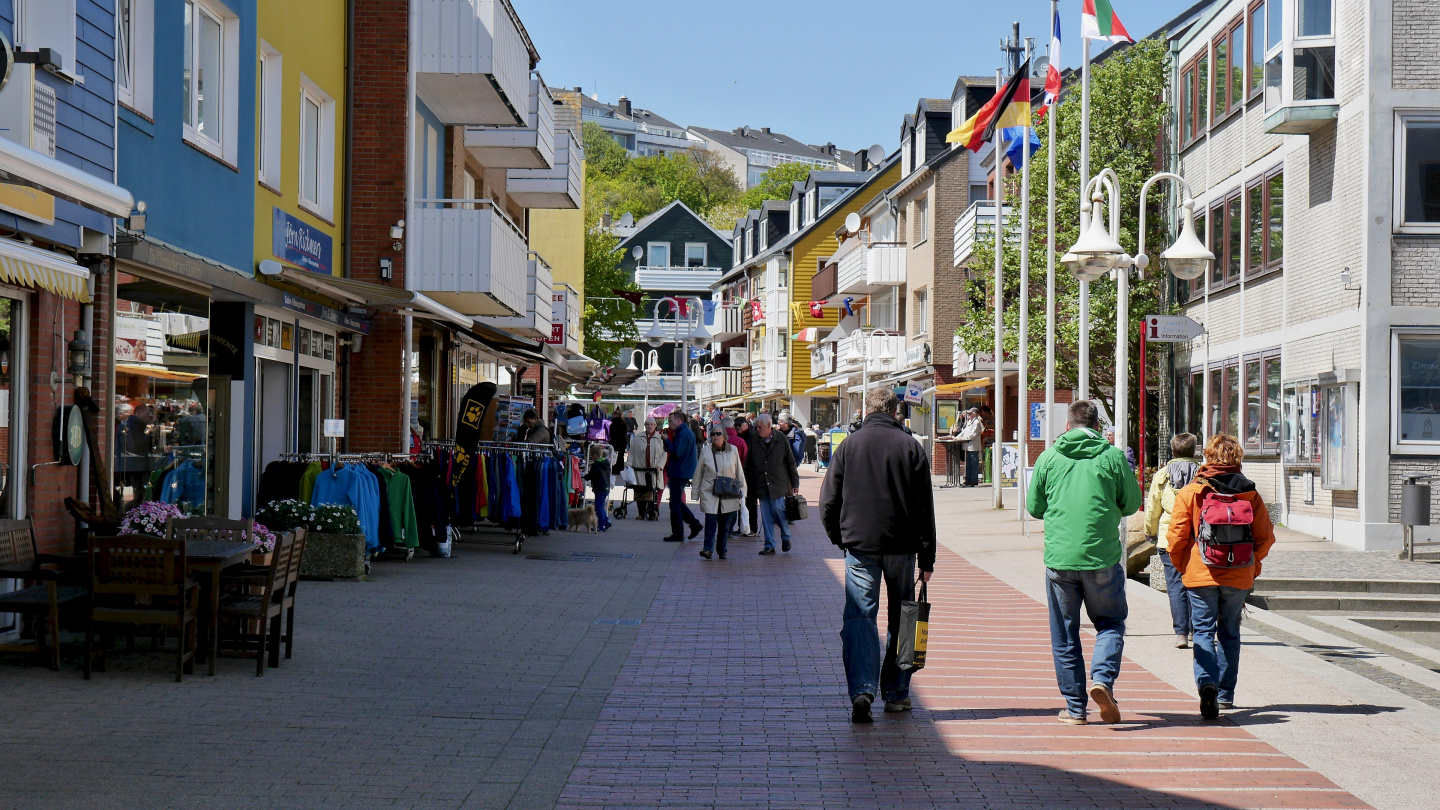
point(876, 503)
point(771, 464)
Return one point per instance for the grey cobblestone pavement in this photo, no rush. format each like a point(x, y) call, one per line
point(470, 682)
point(1284, 562)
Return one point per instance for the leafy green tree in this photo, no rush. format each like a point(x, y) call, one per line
point(1127, 118)
point(608, 320)
point(775, 184)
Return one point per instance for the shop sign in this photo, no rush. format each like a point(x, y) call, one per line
point(131, 335)
point(917, 355)
point(344, 320)
point(302, 245)
point(739, 358)
point(334, 428)
point(27, 202)
point(557, 334)
point(914, 392)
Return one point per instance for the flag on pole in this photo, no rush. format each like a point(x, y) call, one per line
point(817, 308)
point(809, 334)
point(1015, 138)
point(636, 298)
point(1099, 21)
point(1009, 108)
point(1052, 74)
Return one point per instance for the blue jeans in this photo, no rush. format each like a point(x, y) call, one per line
point(1179, 601)
point(717, 530)
point(1102, 592)
point(602, 520)
point(972, 468)
point(680, 515)
point(1215, 615)
point(772, 514)
point(860, 636)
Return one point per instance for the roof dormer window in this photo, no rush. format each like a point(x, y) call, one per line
point(920, 143)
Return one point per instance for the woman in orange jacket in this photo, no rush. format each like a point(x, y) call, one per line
point(1219, 532)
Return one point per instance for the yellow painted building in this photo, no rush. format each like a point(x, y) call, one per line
point(805, 255)
point(558, 234)
point(300, 122)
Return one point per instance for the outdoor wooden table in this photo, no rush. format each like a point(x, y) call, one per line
point(206, 559)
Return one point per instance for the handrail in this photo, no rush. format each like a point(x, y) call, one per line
point(480, 201)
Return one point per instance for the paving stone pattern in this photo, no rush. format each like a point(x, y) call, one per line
point(1344, 565)
point(469, 682)
point(733, 695)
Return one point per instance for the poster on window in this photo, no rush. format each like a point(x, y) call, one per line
point(130, 336)
point(1009, 464)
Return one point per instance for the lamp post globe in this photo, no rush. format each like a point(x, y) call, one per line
point(1188, 258)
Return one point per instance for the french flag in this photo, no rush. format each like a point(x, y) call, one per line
point(1052, 74)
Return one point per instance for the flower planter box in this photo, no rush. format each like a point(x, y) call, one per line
point(334, 556)
point(261, 557)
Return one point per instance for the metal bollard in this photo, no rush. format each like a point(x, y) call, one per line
point(1414, 510)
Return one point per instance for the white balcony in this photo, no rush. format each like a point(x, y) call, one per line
point(666, 385)
point(565, 328)
point(529, 147)
point(469, 256)
point(977, 223)
point(559, 186)
point(868, 268)
point(876, 354)
point(535, 321)
point(472, 61)
point(729, 322)
point(730, 382)
point(678, 279)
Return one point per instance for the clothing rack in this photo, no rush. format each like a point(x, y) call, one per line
point(487, 534)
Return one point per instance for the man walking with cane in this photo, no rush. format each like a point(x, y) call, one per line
point(1082, 488)
point(876, 504)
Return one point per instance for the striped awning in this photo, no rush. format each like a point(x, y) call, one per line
point(155, 372)
point(26, 266)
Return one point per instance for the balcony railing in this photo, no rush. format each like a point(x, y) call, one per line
point(469, 256)
point(823, 286)
point(559, 186)
point(535, 321)
point(472, 62)
point(866, 269)
point(978, 222)
point(884, 353)
point(529, 147)
point(677, 279)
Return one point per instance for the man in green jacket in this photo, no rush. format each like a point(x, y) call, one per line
point(1083, 488)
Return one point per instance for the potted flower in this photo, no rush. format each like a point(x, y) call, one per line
point(334, 543)
point(150, 518)
point(264, 545)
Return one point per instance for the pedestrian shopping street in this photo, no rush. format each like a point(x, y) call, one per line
point(614, 670)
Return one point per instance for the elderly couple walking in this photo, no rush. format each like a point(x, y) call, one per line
point(1083, 488)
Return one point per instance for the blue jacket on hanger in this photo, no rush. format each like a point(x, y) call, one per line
point(354, 486)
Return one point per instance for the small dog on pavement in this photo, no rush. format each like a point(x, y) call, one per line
point(584, 517)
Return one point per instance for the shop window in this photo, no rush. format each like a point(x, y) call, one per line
point(1197, 403)
point(1417, 174)
point(1301, 436)
point(211, 78)
point(1262, 403)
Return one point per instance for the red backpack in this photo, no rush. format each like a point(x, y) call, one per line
point(1225, 538)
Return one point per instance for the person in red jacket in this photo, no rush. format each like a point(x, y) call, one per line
point(1217, 594)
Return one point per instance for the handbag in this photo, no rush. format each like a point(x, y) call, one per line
point(914, 633)
point(796, 508)
point(724, 486)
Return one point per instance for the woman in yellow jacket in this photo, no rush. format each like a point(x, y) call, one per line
point(1159, 505)
point(1217, 593)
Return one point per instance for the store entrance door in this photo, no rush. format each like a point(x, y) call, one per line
point(272, 412)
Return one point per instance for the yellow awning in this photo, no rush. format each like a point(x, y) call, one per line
point(26, 266)
point(955, 388)
point(155, 373)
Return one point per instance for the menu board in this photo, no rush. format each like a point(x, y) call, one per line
point(509, 413)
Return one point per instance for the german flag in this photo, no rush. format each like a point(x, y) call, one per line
point(1009, 108)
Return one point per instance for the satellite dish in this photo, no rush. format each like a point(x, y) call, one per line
point(852, 222)
point(875, 154)
point(627, 220)
point(637, 252)
point(1039, 67)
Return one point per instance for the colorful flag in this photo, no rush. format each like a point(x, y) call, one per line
point(815, 309)
point(636, 298)
point(1009, 108)
point(1014, 137)
point(757, 312)
point(683, 307)
point(1099, 21)
point(849, 310)
point(808, 334)
point(1052, 74)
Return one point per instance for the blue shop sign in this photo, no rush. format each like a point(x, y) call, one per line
point(302, 245)
point(343, 320)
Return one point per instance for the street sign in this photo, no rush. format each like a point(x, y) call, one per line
point(913, 392)
point(1171, 329)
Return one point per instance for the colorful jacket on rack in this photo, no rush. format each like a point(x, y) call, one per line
point(402, 508)
point(354, 486)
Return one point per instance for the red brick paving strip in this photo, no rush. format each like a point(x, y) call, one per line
point(734, 696)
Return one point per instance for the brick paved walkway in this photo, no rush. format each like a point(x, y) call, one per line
point(733, 696)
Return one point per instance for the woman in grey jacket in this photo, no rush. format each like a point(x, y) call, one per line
point(718, 459)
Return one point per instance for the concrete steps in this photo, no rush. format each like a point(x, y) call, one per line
point(1287, 585)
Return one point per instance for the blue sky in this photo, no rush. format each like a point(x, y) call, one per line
point(844, 71)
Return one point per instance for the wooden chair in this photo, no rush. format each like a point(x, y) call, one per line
point(136, 579)
point(291, 583)
point(211, 528)
point(19, 559)
point(263, 606)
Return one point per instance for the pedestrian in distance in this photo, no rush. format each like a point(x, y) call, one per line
point(812, 444)
point(1083, 488)
point(619, 436)
point(1219, 533)
point(681, 457)
point(1159, 505)
point(647, 460)
point(877, 505)
point(772, 467)
point(750, 516)
point(532, 430)
point(719, 489)
point(790, 429)
point(971, 433)
point(599, 478)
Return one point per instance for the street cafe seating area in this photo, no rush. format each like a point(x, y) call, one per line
point(201, 592)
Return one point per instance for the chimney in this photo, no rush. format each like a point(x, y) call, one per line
point(829, 148)
point(579, 89)
point(765, 130)
point(625, 106)
point(605, 220)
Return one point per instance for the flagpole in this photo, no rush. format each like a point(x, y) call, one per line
point(1022, 420)
point(1050, 260)
point(995, 457)
point(1084, 217)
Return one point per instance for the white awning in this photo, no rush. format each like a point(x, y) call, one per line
point(30, 168)
point(27, 266)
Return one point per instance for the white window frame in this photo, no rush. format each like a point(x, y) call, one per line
point(1412, 447)
point(226, 147)
point(1291, 41)
point(922, 312)
point(905, 162)
point(650, 254)
point(1397, 215)
point(324, 207)
point(269, 115)
point(47, 24)
point(139, 30)
point(919, 143)
point(812, 205)
point(739, 249)
point(704, 252)
point(764, 226)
